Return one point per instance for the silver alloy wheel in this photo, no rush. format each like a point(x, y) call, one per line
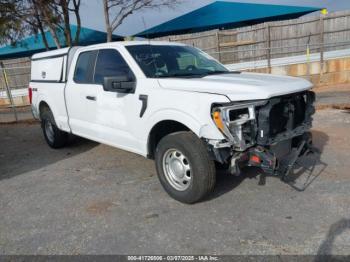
point(49, 131)
point(177, 169)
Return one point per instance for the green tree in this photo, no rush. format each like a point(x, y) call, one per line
point(11, 28)
point(20, 18)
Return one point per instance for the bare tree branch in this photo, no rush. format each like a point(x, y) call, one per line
point(65, 13)
point(76, 5)
point(121, 9)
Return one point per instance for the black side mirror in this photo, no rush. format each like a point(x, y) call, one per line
point(120, 84)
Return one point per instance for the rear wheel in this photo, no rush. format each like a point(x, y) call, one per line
point(184, 168)
point(54, 137)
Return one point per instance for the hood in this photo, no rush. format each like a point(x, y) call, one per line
point(238, 87)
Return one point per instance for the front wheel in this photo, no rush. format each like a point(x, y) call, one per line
point(184, 168)
point(54, 137)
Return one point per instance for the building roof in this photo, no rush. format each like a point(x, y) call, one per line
point(34, 44)
point(226, 15)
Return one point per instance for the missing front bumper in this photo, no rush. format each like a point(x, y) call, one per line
point(271, 161)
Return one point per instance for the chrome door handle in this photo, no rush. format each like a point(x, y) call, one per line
point(93, 98)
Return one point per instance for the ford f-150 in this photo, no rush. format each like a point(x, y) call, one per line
point(172, 103)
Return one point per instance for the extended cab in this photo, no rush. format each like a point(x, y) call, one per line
point(172, 103)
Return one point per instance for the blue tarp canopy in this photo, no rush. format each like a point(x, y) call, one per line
point(226, 15)
point(35, 44)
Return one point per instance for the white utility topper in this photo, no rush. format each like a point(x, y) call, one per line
point(175, 104)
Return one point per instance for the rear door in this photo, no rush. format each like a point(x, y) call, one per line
point(81, 96)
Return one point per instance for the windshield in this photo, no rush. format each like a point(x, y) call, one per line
point(158, 61)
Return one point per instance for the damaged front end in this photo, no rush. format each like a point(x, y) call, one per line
point(264, 133)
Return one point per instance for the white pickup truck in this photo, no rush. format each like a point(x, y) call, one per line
point(172, 103)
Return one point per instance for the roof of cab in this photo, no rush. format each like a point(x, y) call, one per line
point(63, 51)
point(127, 43)
point(131, 43)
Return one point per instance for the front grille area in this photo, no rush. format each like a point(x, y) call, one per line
point(284, 117)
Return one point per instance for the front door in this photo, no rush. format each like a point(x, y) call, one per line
point(117, 113)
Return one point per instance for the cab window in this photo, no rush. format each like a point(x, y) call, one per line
point(84, 69)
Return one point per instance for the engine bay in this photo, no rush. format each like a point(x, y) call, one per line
point(284, 117)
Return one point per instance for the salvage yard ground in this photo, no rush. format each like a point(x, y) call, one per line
point(90, 198)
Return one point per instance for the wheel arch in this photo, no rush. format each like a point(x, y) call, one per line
point(160, 130)
point(42, 105)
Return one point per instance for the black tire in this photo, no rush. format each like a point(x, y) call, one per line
point(202, 169)
point(58, 138)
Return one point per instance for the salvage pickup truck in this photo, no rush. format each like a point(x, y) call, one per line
point(172, 103)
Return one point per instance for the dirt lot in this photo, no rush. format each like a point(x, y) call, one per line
point(93, 199)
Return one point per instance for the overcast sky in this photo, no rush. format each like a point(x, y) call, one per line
point(92, 12)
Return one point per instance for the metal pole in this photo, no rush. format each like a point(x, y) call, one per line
point(8, 90)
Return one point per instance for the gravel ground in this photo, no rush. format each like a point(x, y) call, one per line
point(93, 199)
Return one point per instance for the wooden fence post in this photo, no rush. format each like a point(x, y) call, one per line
point(321, 45)
point(218, 45)
point(268, 49)
point(308, 57)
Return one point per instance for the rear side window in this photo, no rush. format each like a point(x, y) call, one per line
point(85, 66)
point(110, 63)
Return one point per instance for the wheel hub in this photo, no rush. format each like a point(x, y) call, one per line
point(177, 169)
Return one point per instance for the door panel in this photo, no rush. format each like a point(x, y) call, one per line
point(104, 116)
point(115, 117)
point(116, 112)
point(81, 96)
point(82, 103)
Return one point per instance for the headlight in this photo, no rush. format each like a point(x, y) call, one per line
point(237, 123)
